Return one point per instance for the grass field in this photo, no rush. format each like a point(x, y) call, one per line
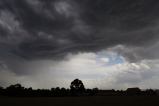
point(82, 101)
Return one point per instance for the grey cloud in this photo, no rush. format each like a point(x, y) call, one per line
point(53, 28)
point(32, 32)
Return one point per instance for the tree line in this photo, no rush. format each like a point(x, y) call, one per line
point(76, 89)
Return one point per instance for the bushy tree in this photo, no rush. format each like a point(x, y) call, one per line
point(15, 90)
point(77, 87)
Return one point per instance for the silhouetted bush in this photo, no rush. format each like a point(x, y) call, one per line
point(150, 92)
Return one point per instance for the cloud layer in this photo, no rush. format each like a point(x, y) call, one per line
point(51, 29)
point(35, 31)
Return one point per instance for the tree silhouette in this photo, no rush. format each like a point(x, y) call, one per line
point(15, 90)
point(77, 87)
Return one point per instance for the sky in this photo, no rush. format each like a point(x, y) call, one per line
point(109, 44)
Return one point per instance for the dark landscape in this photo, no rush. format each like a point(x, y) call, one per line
point(79, 52)
point(77, 95)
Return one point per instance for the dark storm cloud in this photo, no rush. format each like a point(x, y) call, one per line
point(37, 29)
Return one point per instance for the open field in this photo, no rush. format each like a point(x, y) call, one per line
point(82, 101)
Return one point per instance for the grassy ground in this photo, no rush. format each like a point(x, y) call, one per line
point(81, 101)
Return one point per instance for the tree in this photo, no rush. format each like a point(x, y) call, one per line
point(15, 90)
point(77, 87)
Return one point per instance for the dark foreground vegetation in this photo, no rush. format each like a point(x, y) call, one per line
point(76, 89)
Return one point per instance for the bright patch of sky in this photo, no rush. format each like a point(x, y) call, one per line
point(110, 58)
